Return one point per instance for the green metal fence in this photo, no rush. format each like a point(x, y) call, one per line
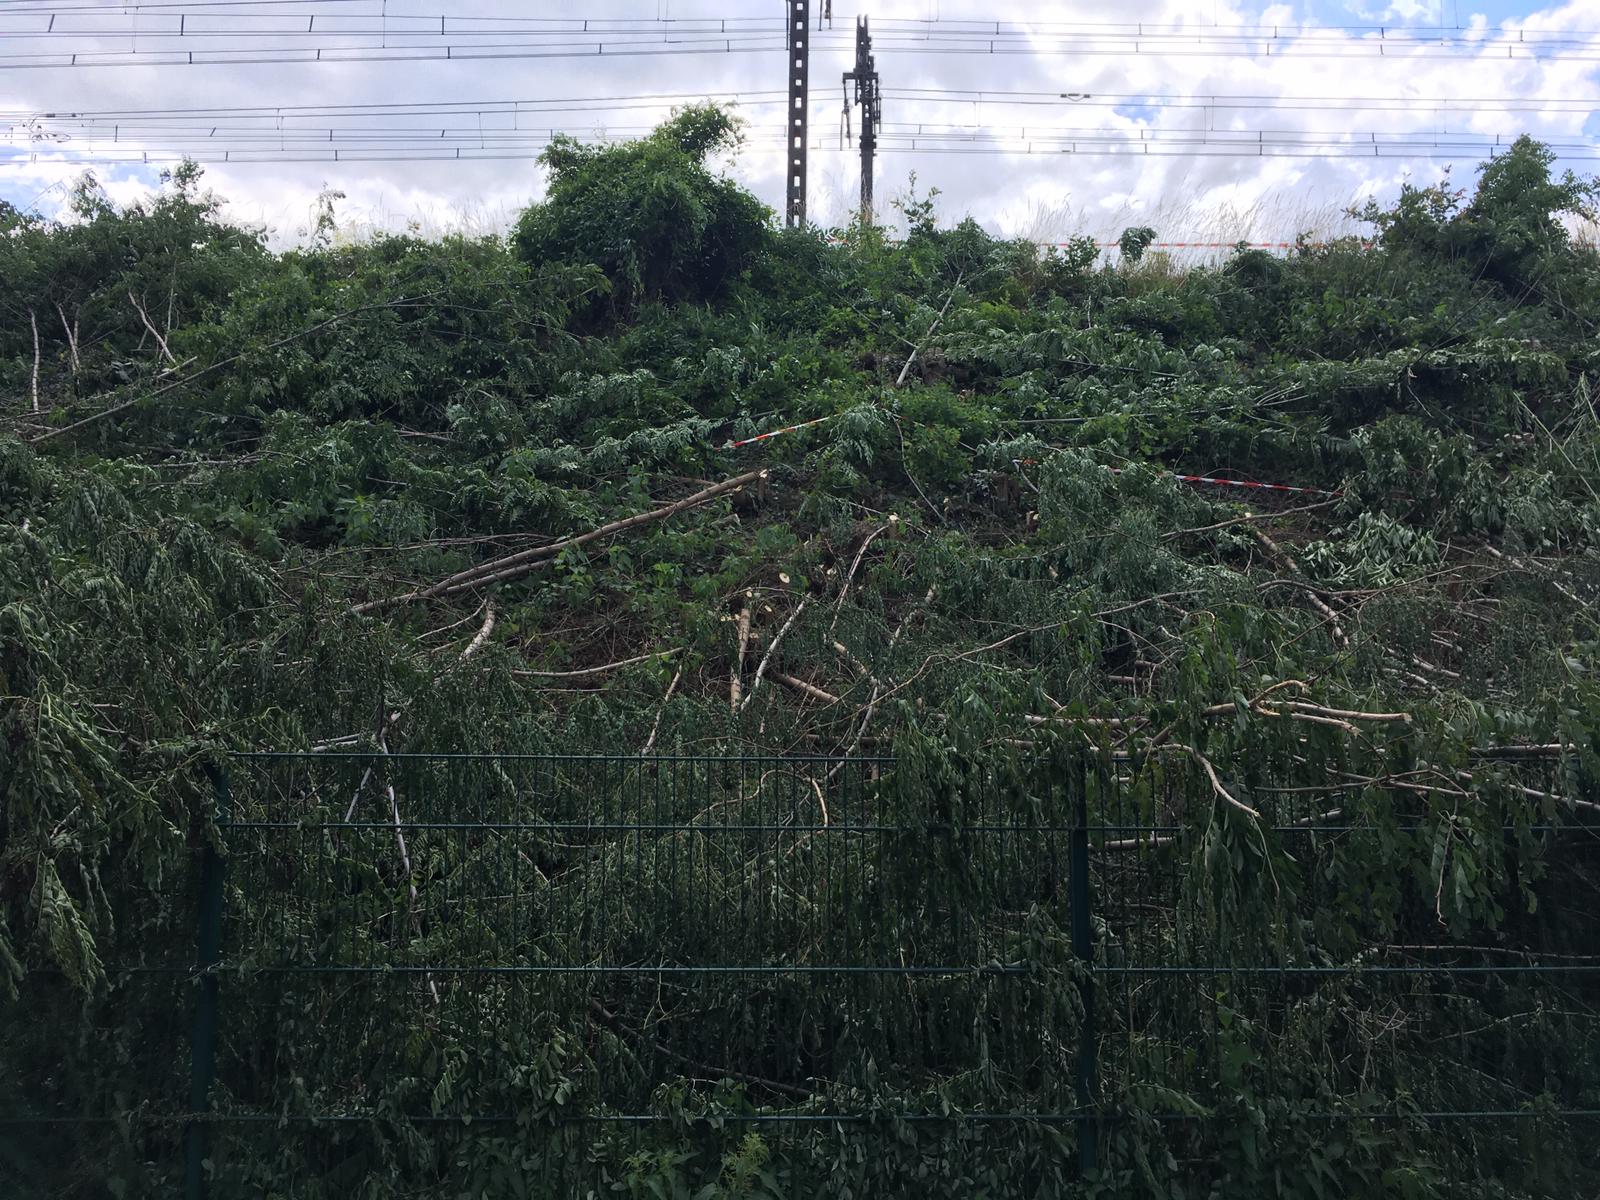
point(584, 950)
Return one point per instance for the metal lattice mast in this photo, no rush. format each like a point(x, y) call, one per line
point(867, 95)
point(799, 54)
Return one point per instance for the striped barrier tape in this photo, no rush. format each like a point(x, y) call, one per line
point(1215, 482)
point(1221, 245)
point(761, 437)
point(1233, 245)
point(1242, 483)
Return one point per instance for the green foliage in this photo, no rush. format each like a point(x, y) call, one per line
point(648, 213)
point(1134, 241)
point(997, 568)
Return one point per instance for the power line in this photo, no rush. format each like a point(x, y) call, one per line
point(138, 13)
point(479, 120)
point(149, 46)
point(550, 103)
point(1065, 102)
point(1107, 144)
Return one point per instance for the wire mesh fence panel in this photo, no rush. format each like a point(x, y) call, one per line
point(97, 1064)
point(600, 969)
point(548, 939)
point(1342, 956)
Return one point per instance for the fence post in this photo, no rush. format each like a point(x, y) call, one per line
point(1083, 948)
point(203, 1038)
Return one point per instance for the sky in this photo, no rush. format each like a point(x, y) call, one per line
point(1136, 85)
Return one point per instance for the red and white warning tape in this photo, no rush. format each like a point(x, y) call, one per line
point(761, 437)
point(1242, 483)
point(1213, 480)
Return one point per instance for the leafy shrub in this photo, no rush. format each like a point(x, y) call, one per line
point(649, 213)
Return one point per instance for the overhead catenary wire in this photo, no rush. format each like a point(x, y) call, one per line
point(432, 127)
point(1140, 102)
point(158, 39)
point(150, 17)
point(485, 145)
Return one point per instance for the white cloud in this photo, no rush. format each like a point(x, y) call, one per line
point(1260, 198)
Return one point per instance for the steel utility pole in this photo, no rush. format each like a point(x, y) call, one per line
point(865, 77)
point(799, 45)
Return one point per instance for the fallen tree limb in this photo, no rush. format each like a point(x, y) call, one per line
point(33, 381)
point(483, 633)
point(856, 563)
point(1545, 750)
point(808, 689)
point(520, 673)
point(511, 566)
point(1312, 598)
point(772, 648)
point(912, 357)
point(1211, 774)
point(1248, 518)
point(166, 351)
point(655, 726)
point(736, 675)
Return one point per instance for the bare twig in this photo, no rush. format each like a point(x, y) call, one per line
point(1300, 706)
point(33, 386)
point(772, 648)
point(845, 590)
point(1532, 569)
point(166, 351)
point(1211, 774)
point(483, 633)
point(821, 802)
point(361, 785)
point(72, 336)
point(600, 670)
point(655, 727)
point(704, 1070)
point(1248, 518)
point(906, 370)
point(405, 861)
point(877, 687)
point(905, 465)
point(433, 633)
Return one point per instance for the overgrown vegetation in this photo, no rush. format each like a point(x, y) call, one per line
point(338, 497)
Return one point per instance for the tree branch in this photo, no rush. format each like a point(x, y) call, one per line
point(655, 727)
point(906, 370)
point(166, 351)
point(511, 566)
point(772, 648)
point(600, 670)
point(33, 387)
